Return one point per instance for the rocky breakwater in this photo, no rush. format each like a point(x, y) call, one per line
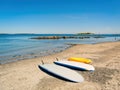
point(60, 37)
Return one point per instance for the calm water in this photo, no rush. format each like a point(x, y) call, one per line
point(15, 47)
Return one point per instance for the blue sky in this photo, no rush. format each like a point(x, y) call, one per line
point(59, 16)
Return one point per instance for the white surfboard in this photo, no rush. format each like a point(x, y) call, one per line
point(75, 65)
point(62, 72)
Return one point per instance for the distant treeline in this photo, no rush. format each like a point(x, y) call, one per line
point(85, 33)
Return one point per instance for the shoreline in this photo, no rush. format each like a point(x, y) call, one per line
point(54, 52)
point(70, 45)
point(25, 74)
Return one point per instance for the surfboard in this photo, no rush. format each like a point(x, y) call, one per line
point(61, 72)
point(75, 65)
point(84, 60)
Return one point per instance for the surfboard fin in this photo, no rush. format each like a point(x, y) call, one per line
point(42, 61)
point(57, 59)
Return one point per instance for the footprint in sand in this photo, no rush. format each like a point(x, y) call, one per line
point(114, 65)
point(90, 87)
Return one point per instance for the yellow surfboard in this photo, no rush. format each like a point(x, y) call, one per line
point(84, 60)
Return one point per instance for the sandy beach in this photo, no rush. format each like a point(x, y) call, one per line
point(25, 74)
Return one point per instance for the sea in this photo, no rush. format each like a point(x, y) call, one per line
point(14, 47)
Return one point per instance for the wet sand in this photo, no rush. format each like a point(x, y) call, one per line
point(25, 74)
